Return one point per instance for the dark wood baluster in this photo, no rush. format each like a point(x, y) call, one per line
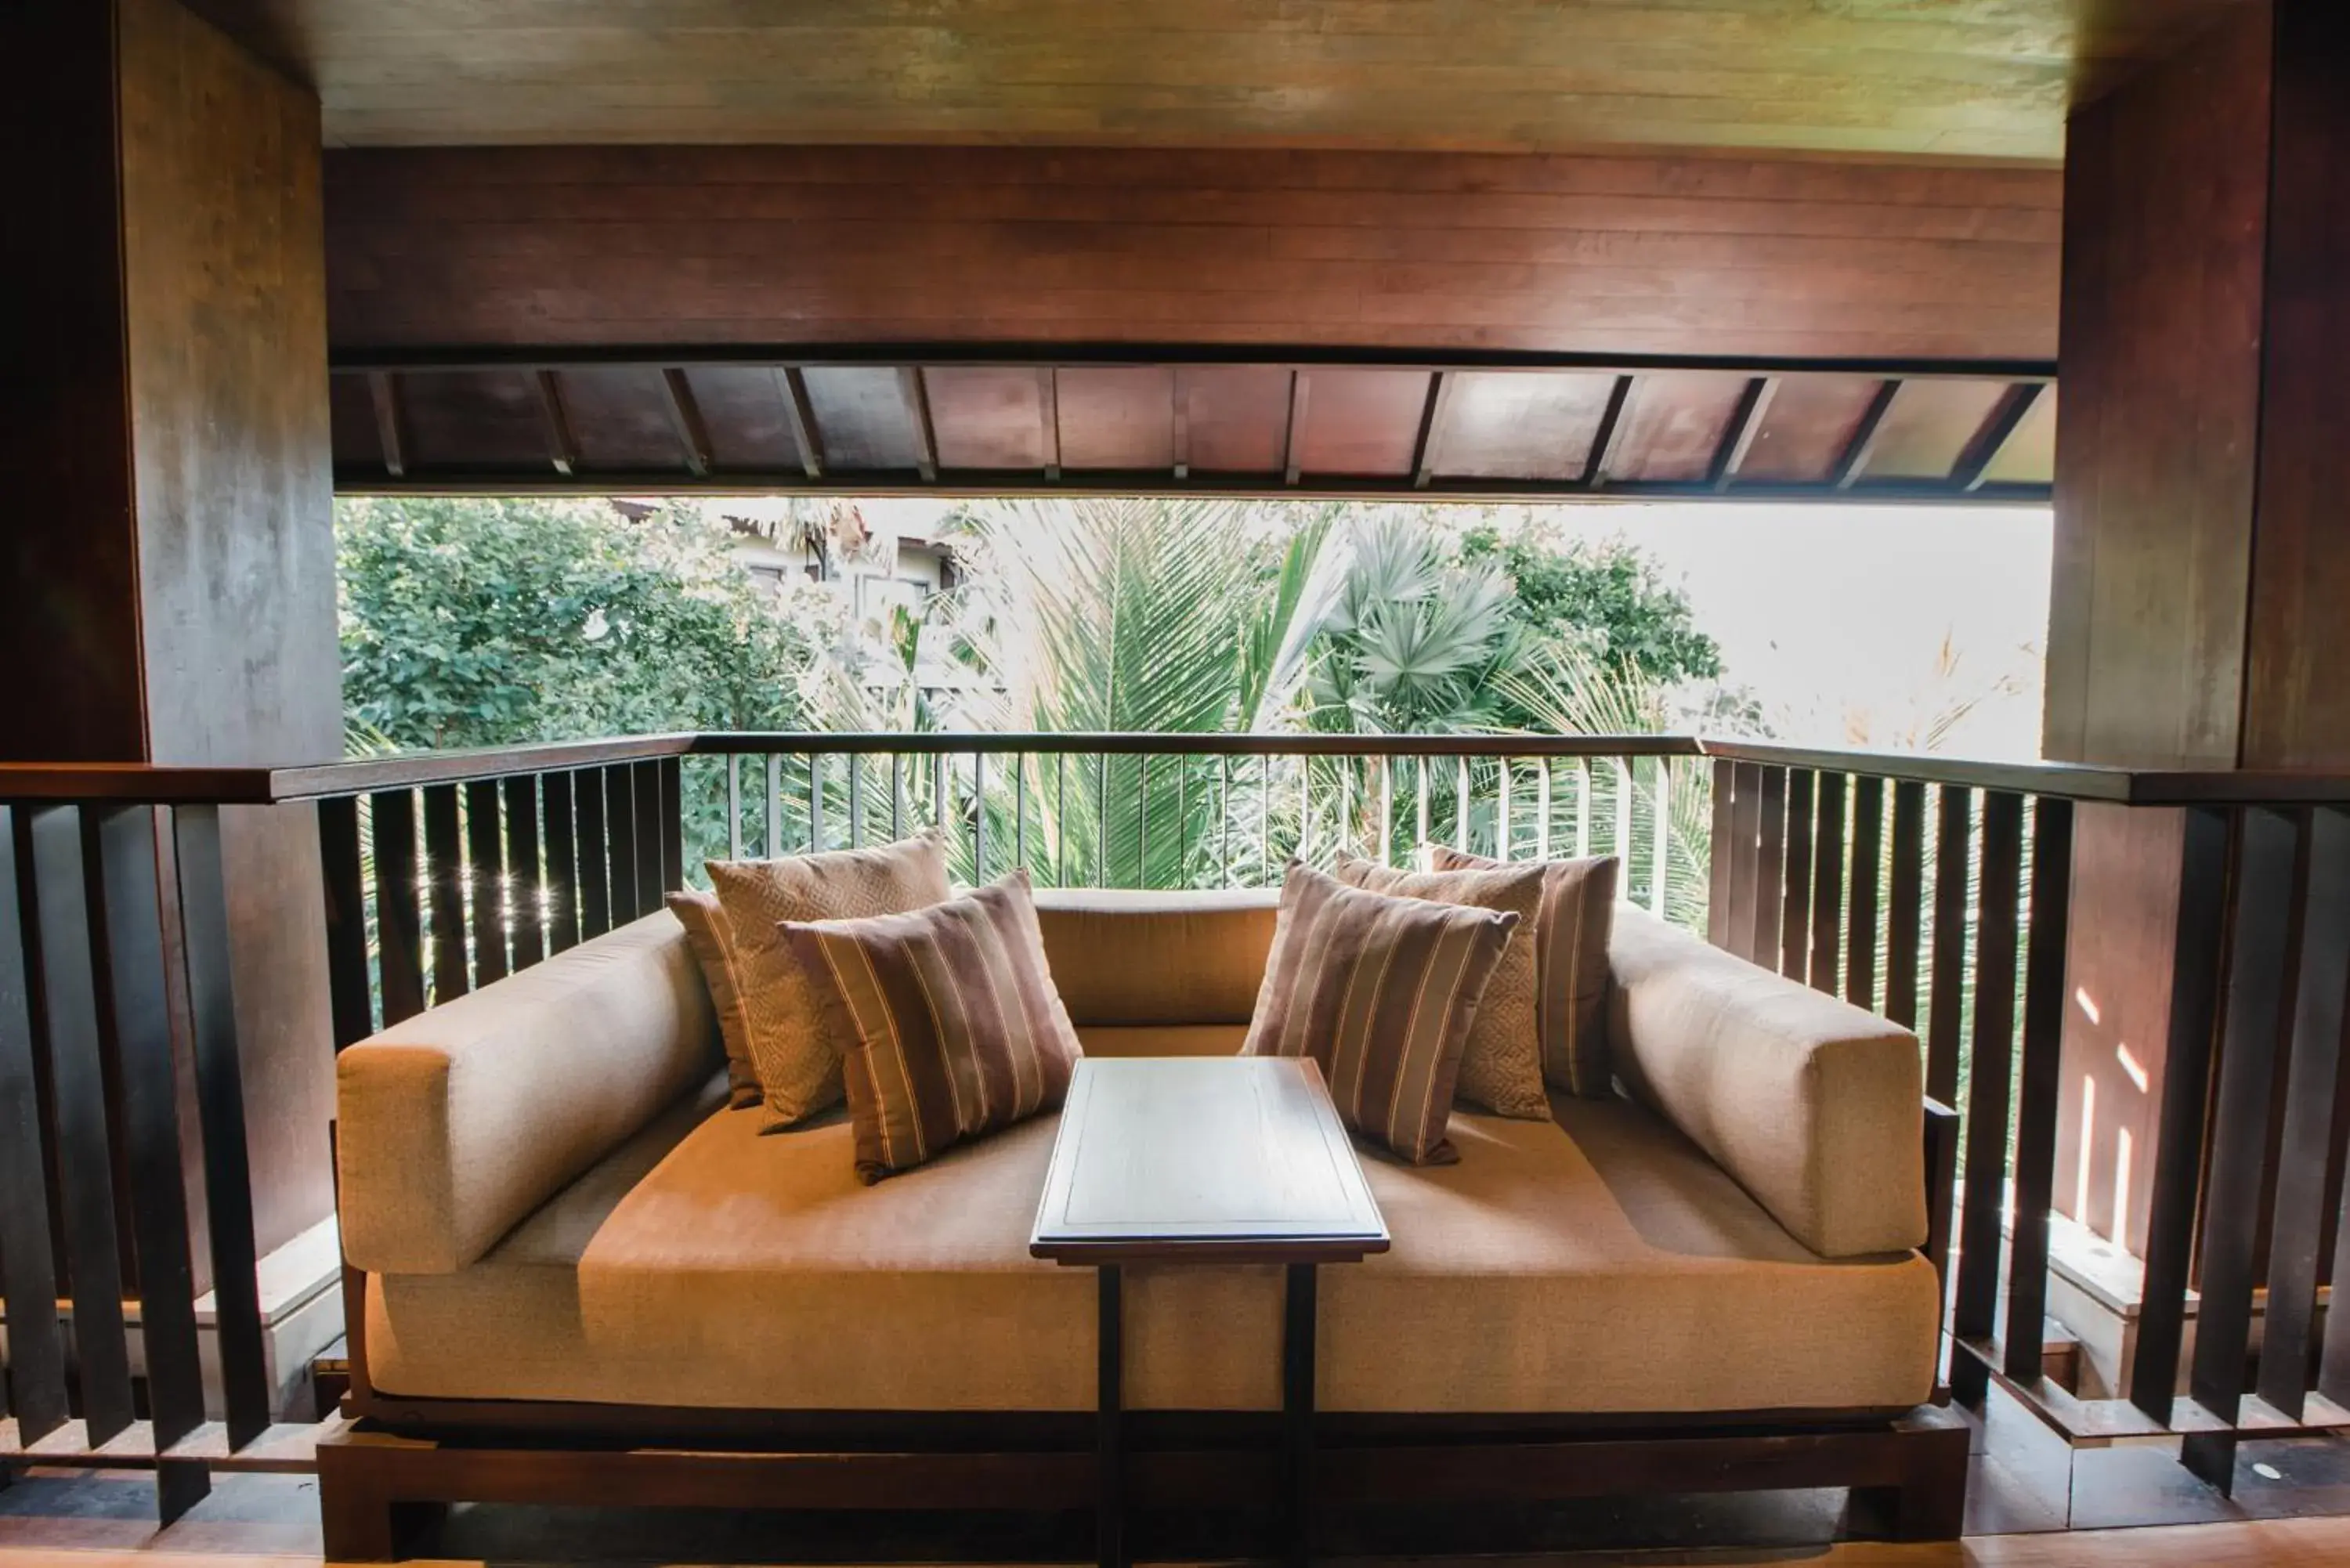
point(1827, 883)
point(1795, 900)
point(35, 1363)
point(1720, 862)
point(148, 1117)
point(525, 911)
point(734, 808)
point(1746, 859)
point(485, 880)
point(1954, 832)
point(672, 824)
point(2041, 1073)
point(1905, 899)
point(444, 873)
point(1990, 1060)
point(2312, 1087)
point(979, 818)
point(399, 916)
point(620, 842)
point(220, 1107)
point(1770, 866)
point(85, 1166)
point(350, 1008)
point(856, 800)
point(1867, 872)
point(2258, 960)
point(816, 802)
point(593, 869)
point(2195, 973)
point(561, 831)
point(651, 832)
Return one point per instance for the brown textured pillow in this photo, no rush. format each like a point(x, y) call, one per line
point(712, 941)
point(1578, 910)
point(1381, 992)
point(792, 1044)
point(948, 1023)
point(1500, 1068)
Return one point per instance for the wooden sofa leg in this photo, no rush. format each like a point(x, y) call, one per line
point(361, 1522)
point(1928, 1503)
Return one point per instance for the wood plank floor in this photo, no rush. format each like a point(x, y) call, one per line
point(2268, 1543)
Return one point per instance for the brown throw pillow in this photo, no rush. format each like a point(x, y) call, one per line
point(949, 1024)
point(1381, 992)
point(712, 941)
point(1500, 1068)
point(792, 1045)
point(1578, 910)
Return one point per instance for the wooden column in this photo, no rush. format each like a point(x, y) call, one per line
point(2200, 565)
point(167, 571)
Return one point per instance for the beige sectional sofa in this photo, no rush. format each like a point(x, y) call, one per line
point(547, 1208)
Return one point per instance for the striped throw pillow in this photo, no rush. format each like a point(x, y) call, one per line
point(1578, 911)
point(1381, 992)
point(947, 1020)
point(712, 941)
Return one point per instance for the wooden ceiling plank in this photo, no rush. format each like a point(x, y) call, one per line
point(1738, 437)
point(1974, 464)
point(1430, 447)
point(1300, 386)
point(791, 384)
point(562, 447)
point(1854, 462)
point(1611, 429)
point(918, 415)
point(1048, 419)
point(685, 419)
point(390, 429)
point(1182, 433)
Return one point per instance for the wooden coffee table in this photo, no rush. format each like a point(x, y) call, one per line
point(1212, 1159)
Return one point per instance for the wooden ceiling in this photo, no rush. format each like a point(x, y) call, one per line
point(1167, 420)
point(1940, 79)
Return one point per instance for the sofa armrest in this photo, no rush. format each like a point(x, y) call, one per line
point(1812, 1105)
point(457, 1124)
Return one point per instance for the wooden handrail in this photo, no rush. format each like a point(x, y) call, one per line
point(266, 786)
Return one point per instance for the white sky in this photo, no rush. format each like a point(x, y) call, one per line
point(1838, 617)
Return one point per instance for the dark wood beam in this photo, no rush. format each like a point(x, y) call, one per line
point(1429, 445)
point(792, 384)
point(1183, 431)
point(1300, 387)
point(1854, 462)
point(917, 394)
point(562, 450)
point(1738, 436)
point(391, 430)
point(1611, 429)
point(1999, 427)
point(1049, 417)
point(685, 419)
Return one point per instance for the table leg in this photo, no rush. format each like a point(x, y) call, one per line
point(1297, 1408)
point(1110, 1501)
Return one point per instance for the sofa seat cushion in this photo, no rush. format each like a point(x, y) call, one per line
point(1597, 1264)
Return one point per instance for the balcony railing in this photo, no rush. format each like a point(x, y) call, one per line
point(1933, 891)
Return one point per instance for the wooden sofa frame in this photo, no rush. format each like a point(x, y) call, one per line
point(383, 1479)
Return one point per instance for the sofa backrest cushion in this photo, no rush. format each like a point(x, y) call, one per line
point(1815, 1106)
point(1126, 958)
point(456, 1124)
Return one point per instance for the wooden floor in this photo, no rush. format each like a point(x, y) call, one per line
point(2269, 1543)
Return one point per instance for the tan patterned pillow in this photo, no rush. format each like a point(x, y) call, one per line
point(1502, 1068)
point(1578, 911)
point(1381, 992)
point(947, 1019)
point(712, 941)
point(792, 1043)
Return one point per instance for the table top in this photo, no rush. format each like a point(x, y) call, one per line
point(1204, 1159)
